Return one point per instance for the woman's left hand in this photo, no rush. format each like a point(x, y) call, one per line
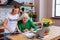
point(26, 30)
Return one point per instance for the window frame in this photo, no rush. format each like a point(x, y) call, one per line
point(54, 10)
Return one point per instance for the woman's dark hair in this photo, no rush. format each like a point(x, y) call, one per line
point(0, 1)
point(15, 7)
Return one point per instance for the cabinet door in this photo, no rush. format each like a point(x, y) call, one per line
point(1, 36)
point(1, 30)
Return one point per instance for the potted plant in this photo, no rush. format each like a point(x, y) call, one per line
point(32, 16)
point(46, 22)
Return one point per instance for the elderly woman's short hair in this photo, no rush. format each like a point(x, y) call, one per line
point(25, 15)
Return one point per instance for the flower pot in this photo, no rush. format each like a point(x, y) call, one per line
point(46, 29)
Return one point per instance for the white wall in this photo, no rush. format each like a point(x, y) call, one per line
point(4, 12)
point(53, 8)
point(3, 1)
point(43, 9)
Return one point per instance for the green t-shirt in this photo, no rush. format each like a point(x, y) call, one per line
point(29, 25)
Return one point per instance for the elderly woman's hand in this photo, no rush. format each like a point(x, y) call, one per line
point(31, 30)
point(26, 30)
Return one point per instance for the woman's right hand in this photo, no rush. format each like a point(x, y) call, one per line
point(11, 31)
point(19, 32)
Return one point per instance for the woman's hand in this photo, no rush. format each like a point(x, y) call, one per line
point(18, 29)
point(26, 30)
point(31, 30)
point(19, 32)
point(11, 31)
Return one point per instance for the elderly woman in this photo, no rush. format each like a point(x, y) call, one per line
point(26, 25)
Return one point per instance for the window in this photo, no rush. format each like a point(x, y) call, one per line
point(56, 8)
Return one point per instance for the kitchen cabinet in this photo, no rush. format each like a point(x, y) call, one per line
point(1, 33)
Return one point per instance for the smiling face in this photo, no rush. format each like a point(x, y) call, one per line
point(16, 11)
point(25, 18)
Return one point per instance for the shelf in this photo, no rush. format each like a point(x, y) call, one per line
point(2, 33)
point(1, 37)
point(12, 5)
point(28, 5)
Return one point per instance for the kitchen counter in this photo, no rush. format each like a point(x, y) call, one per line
point(1, 33)
point(1, 27)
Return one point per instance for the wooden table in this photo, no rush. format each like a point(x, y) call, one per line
point(20, 37)
point(54, 33)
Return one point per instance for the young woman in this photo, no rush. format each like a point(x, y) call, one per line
point(10, 22)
